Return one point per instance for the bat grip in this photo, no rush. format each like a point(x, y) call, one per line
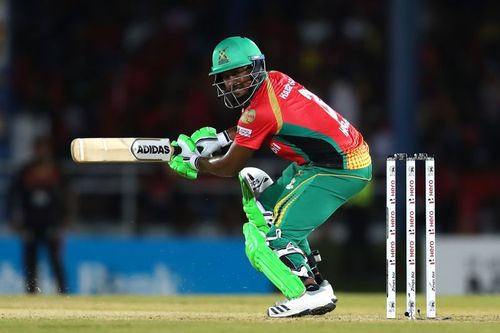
point(177, 150)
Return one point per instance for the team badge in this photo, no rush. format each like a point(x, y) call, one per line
point(248, 116)
point(223, 59)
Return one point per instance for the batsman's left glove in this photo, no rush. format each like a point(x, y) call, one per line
point(185, 163)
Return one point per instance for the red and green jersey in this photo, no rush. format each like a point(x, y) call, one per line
point(300, 127)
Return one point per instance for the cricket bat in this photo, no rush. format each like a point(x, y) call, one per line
point(114, 150)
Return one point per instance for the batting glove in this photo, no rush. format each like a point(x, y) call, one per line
point(183, 167)
point(187, 146)
point(208, 141)
point(185, 163)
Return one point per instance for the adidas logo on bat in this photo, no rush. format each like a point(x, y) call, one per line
point(151, 149)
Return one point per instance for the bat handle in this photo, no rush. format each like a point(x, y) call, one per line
point(176, 150)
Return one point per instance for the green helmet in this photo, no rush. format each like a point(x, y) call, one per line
point(232, 53)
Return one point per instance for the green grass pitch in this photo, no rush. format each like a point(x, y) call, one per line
point(125, 314)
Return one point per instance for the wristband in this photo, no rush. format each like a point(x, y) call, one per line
point(193, 160)
point(224, 139)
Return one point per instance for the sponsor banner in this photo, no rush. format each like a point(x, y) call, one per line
point(155, 266)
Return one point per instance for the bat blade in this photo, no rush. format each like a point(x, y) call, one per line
point(113, 150)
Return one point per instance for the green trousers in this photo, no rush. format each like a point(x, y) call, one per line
point(302, 199)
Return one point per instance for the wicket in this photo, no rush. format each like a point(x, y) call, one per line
point(411, 228)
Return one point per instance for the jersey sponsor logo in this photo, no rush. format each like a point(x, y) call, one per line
point(287, 89)
point(275, 148)
point(246, 132)
point(291, 184)
point(248, 116)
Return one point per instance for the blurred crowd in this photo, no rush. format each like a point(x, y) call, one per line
point(139, 68)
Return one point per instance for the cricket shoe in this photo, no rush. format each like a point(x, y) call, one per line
point(312, 302)
point(327, 287)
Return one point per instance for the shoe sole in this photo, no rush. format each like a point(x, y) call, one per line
point(323, 309)
point(315, 312)
point(300, 314)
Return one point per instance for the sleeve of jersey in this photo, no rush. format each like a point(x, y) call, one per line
point(252, 131)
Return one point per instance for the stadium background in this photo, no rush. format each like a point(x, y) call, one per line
point(412, 76)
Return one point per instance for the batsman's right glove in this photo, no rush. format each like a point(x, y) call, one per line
point(208, 141)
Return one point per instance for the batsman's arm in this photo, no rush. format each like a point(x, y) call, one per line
point(231, 132)
point(227, 165)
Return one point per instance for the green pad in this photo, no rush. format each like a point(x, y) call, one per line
point(252, 211)
point(266, 261)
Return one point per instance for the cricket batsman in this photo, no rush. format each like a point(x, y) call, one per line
point(330, 163)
